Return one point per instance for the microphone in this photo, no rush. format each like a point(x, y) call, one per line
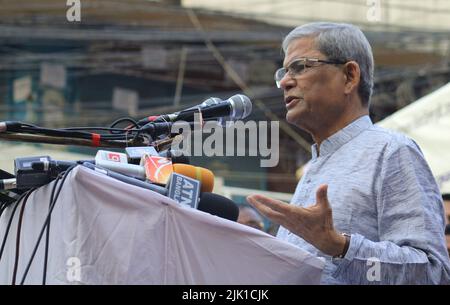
point(223, 121)
point(136, 153)
point(158, 170)
point(10, 126)
point(107, 159)
point(207, 202)
point(127, 179)
point(218, 205)
point(118, 162)
point(159, 166)
point(199, 173)
point(8, 184)
point(26, 176)
point(207, 102)
point(37, 171)
point(182, 189)
point(152, 118)
point(235, 108)
point(55, 167)
point(8, 188)
point(155, 169)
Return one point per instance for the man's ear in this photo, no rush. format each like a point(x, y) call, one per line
point(353, 75)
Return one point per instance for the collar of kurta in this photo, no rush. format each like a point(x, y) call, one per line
point(336, 140)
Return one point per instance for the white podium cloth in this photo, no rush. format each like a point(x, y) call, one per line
point(104, 231)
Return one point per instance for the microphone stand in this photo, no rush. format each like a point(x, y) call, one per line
point(68, 141)
point(159, 145)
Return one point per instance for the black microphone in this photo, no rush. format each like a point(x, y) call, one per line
point(35, 171)
point(218, 205)
point(11, 126)
point(8, 184)
point(153, 118)
point(176, 156)
point(55, 167)
point(235, 108)
point(8, 188)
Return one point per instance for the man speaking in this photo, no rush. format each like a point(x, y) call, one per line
point(368, 203)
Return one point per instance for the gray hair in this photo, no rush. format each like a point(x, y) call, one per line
point(341, 42)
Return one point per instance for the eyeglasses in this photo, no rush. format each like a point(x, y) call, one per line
point(300, 66)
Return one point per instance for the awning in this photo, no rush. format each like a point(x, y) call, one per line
point(427, 121)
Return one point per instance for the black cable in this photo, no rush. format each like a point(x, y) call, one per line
point(125, 119)
point(136, 136)
point(41, 233)
point(19, 229)
point(16, 125)
point(2, 208)
point(64, 133)
point(100, 128)
point(8, 227)
point(115, 135)
point(51, 132)
point(73, 132)
point(134, 124)
point(68, 133)
point(47, 235)
point(119, 134)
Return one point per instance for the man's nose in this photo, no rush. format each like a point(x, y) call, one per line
point(287, 82)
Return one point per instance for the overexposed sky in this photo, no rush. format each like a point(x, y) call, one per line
point(409, 14)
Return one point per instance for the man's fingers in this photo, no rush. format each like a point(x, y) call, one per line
point(322, 196)
point(275, 205)
point(266, 210)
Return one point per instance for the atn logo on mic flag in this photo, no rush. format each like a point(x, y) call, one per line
point(184, 190)
point(157, 169)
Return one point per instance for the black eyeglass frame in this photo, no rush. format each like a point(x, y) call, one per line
point(302, 64)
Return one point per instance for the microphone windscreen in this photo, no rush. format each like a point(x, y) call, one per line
point(242, 106)
point(218, 205)
point(205, 176)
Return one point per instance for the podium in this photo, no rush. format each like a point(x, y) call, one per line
point(104, 231)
